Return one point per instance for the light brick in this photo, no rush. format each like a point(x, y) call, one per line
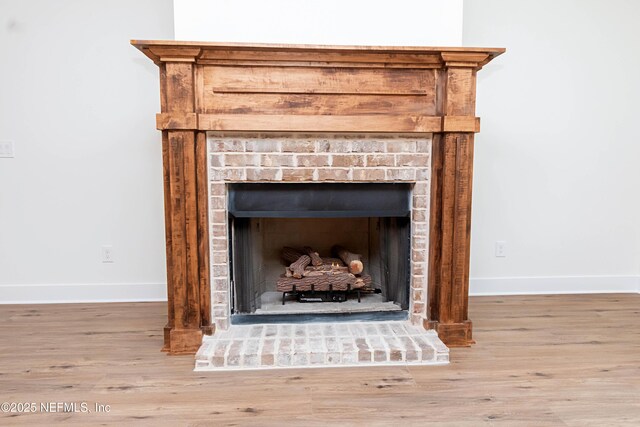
point(419, 202)
point(219, 351)
point(263, 174)
point(418, 307)
point(234, 353)
point(218, 216)
point(428, 352)
point(396, 349)
point(241, 160)
point(367, 146)
point(333, 174)
point(217, 202)
point(263, 146)
point(216, 174)
point(270, 330)
point(418, 294)
point(419, 215)
point(376, 160)
point(234, 174)
point(416, 319)
point(226, 144)
point(419, 242)
point(284, 352)
point(423, 174)
point(217, 160)
point(218, 189)
point(312, 160)
point(298, 146)
point(347, 161)
point(418, 281)
point(300, 352)
point(418, 255)
point(423, 145)
point(334, 146)
point(412, 351)
point(401, 174)
point(401, 146)
point(219, 311)
point(220, 270)
point(218, 244)
point(364, 351)
point(299, 174)
point(420, 188)
point(277, 160)
point(219, 230)
point(219, 298)
point(368, 174)
point(420, 229)
point(418, 268)
point(222, 323)
point(220, 284)
point(412, 160)
point(380, 351)
point(268, 352)
point(219, 257)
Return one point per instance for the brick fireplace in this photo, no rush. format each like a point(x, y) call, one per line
point(319, 158)
point(277, 114)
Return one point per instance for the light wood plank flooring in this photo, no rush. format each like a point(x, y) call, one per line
point(539, 361)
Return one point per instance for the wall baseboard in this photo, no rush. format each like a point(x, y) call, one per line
point(82, 293)
point(554, 285)
point(140, 292)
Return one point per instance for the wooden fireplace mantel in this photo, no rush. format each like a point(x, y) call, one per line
point(304, 88)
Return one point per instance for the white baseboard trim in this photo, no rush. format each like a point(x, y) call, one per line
point(554, 285)
point(82, 293)
point(141, 292)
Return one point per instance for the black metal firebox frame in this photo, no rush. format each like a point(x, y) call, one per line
point(390, 202)
point(321, 200)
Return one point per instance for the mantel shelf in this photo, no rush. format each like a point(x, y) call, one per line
point(201, 52)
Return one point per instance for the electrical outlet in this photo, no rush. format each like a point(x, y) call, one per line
point(107, 254)
point(501, 249)
point(6, 149)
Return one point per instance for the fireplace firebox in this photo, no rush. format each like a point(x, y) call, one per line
point(370, 219)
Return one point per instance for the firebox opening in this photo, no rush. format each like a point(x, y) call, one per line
point(267, 218)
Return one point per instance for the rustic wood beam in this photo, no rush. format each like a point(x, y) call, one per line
point(450, 213)
point(186, 220)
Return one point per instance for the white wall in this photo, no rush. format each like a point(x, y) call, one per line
point(365, 22)
point(556, 167)
point(79, 102)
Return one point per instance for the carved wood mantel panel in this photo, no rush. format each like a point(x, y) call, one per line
point(303, 88)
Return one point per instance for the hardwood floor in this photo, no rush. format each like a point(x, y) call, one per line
point(539, 361)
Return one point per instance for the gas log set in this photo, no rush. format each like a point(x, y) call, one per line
point(314, 278)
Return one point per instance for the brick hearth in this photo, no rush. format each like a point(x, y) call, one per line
point(320, 344)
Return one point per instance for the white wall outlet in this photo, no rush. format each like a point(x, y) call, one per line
point(501, 249)
point(6, 149)
point(107, 254)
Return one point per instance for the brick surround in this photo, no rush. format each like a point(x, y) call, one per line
point(317, 158)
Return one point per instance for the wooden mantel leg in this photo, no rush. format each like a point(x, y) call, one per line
point(186, 222)
point(449, 238)
point(450, 214)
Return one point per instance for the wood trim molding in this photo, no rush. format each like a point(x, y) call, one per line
point(308, 123)
point(308, 88)
point(176, 121)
